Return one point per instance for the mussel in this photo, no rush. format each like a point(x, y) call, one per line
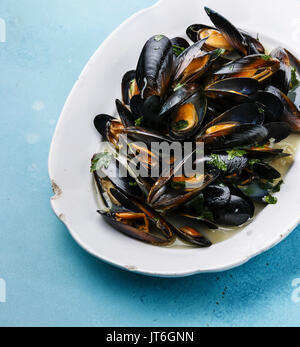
point(155, 67)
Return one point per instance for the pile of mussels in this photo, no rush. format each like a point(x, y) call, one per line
point(225, 91)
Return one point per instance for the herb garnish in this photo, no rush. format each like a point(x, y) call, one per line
point(236, 152)
point(101, 160)
point(261, 110)
point(178, 50)
point(294, 80)
point(158, 37)
point(139, 122)
point(266, 57)
point(218, 162)
point(182, 124)
point(271, 200)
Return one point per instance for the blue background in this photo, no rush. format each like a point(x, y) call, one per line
point(50, 280)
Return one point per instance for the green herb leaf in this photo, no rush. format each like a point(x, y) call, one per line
point(139, 122)
point(261, 110)
point(266, 57)
point(271, 200)
point(178, 50)
point(182, 124)
point(218, 162)
point(159, 37)
point(277, 187)
point(178, 87)
point(294, 80)
point(236, 152)
point(101, 160)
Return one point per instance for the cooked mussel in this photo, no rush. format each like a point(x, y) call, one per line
point(155, 67)
point(230, 135)
point(231, 34)
point(272, 106)
point(193, 63)
point(237, 212)
point(129, 87)
point(291, 113)
point(110, 128)
point(188, 117)
point(282, 78)
point(258, 66)
point(237, 90)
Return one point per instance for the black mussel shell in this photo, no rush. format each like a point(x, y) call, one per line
point(291, 113)
point(229, 31)
point(179, 45)
point(136, 106)
point(265, 171)
point(278, 131)
point(238, 211)
point(155, 67)
point(193, 236)
point(129, 87)
point(187, 118)
point(233, 165)
point(258, 66)
point(273, 107)
point(282, 78)
point(102, 123)
point(235, 136)
point(193, 31)
point(178, 97)
point(217, 196)
point(126, 116)
point(247, 113)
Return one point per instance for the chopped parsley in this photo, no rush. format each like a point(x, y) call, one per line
point(231, 67)
point(261, 110)
point(139, 122)
point(101, 160)
point(236, 152)
point(133, 184)
point(218, 162)
point(179, 85)
point(294, 80)
point(277, 187)
point(178, 50)
point(182, 124)
point(266, 57)
point(271, 200)
point(158, 37)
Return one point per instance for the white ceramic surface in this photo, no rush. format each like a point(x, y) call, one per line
point(76, 140)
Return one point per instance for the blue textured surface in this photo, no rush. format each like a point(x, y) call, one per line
point(50, 280)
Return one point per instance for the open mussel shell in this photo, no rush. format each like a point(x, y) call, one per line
point(255, 191)
point(237, 90)
point(146, 136)
point(282, 78)
point(193, 236)
point(258, 66)
point(254, 45)
point(229, 31)
point(193, 31)
point(187, 118)
point(247, 113)
point(168, 198)
point(265, 153)
point(293, 61)
point(178, 97)
point(142, 223)
point(129, 87)
point(125, 114)
point(193, 63)
point(291, 113)
point(273, 107)
point(237, 212)
point(109, 128)
point(179, 45)
point(155, 67)
point(233, 135)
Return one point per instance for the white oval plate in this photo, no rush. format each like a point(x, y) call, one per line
point(76, 140)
